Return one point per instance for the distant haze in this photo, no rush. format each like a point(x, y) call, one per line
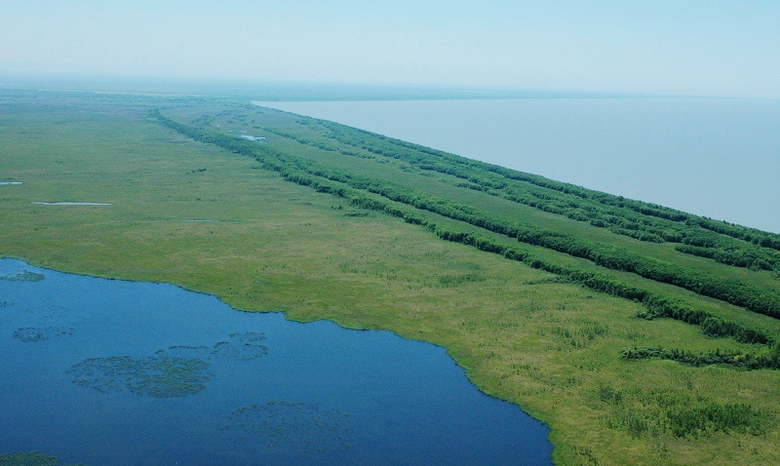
point(713, 47)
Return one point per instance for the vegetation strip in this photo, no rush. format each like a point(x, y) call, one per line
point(723, 242)
point(735, 293)
point(766, 360)
point(311, 176)
point(391, 148)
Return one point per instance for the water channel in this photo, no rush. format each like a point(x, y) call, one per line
point(110, 372)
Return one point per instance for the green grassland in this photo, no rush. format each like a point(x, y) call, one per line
point(322, 221)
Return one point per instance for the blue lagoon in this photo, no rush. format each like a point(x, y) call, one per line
point(99, 372)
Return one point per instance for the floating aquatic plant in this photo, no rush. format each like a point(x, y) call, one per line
point(22, 276)
point(38, 334)
point(241, 347)
point(305, 427)
point(30, 458)
point(173, 372)
point(157, 376)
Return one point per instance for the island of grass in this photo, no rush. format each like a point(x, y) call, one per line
point(638, 333)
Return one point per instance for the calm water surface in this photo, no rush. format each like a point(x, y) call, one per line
point(714, 157)
point(109, 372)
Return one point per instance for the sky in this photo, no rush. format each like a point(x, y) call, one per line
point(688, 47)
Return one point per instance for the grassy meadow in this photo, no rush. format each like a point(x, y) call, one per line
point(202, 216)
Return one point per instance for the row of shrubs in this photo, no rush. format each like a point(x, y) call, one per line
point(639, 220)
point(751, 259)
point(733, 292)
point(356, 191)
point(765, 360)
point(753, 235)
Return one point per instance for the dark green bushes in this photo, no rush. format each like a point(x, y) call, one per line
point(639, 220)
point(752, 258)
point(715, 417)
point(356, 188)
point(767, 360)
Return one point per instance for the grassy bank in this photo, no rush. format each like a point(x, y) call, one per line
point(207, 218)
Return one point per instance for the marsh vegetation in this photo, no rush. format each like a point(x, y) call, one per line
point(176, 371)
point(627, 327)
point(31, 458)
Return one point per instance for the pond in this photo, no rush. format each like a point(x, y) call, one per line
point(101, 372)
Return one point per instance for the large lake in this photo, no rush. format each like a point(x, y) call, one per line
point(714, 157)
point(109, 372)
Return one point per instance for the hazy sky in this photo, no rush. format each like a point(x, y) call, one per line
point(710, 47)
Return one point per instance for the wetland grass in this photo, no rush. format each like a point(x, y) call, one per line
point(523, 334)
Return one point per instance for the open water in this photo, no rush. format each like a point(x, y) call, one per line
point(110, 372)
point(714, 157)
